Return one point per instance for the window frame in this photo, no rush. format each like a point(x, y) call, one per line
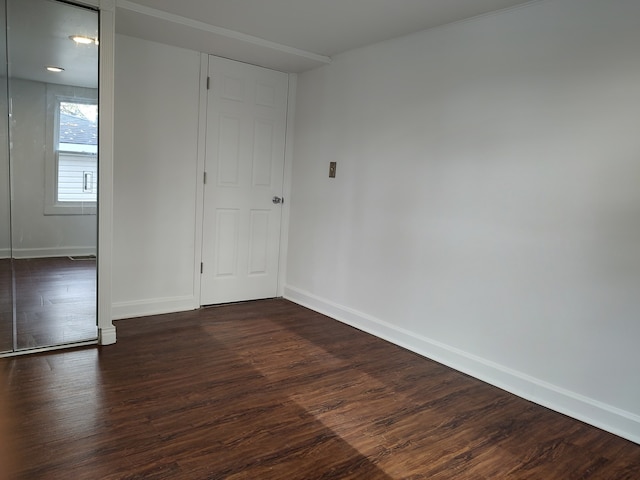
point(57, 94)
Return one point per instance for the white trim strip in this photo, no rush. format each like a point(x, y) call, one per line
point(105, 170)
point(52, 348)
point(50, 252)
point(153, 306)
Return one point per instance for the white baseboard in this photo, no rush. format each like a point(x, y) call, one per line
point(153, 306)
point(53, 252)
point(607, 417)
point(107, 335)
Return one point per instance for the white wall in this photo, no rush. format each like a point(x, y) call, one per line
point(155, 160)
point(486, 210)
point(34, 233)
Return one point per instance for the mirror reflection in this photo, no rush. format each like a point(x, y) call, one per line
point(6, 284)
point(52, 164)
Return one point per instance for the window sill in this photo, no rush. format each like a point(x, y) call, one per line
point(71, 209)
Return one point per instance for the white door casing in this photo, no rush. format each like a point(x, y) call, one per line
point(244, 164)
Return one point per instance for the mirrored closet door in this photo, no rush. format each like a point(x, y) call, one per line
point(49, 168)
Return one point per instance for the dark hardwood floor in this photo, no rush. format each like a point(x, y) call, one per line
point(55, 300)
point(6, 305)
point(271, 390)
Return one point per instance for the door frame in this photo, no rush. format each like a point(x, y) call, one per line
point(286, 185)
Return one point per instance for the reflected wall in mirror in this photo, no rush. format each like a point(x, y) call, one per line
point(6, 284)
point(52, 163)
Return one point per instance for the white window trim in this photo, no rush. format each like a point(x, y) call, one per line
point(55, 95)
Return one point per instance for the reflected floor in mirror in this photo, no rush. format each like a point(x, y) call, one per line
point(55, 301)
point(6, 306)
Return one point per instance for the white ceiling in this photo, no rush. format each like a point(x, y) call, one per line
point(289, 35)
point(38, 36)
point(286, 35)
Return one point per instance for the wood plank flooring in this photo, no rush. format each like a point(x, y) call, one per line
point(271, 390)
point(6, 305)
point(55, 300)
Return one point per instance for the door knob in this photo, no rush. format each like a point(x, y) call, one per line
point(277, 200)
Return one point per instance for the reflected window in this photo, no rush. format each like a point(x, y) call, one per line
point(71, 166)
point(77, 151)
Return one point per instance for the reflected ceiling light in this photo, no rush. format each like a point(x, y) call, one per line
point(51, 68)
point(83, 39)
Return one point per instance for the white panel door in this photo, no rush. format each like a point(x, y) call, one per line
point(246, 120)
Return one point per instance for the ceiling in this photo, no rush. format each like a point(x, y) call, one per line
point(289, 35)
point(285, 35)
point(41, 39)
